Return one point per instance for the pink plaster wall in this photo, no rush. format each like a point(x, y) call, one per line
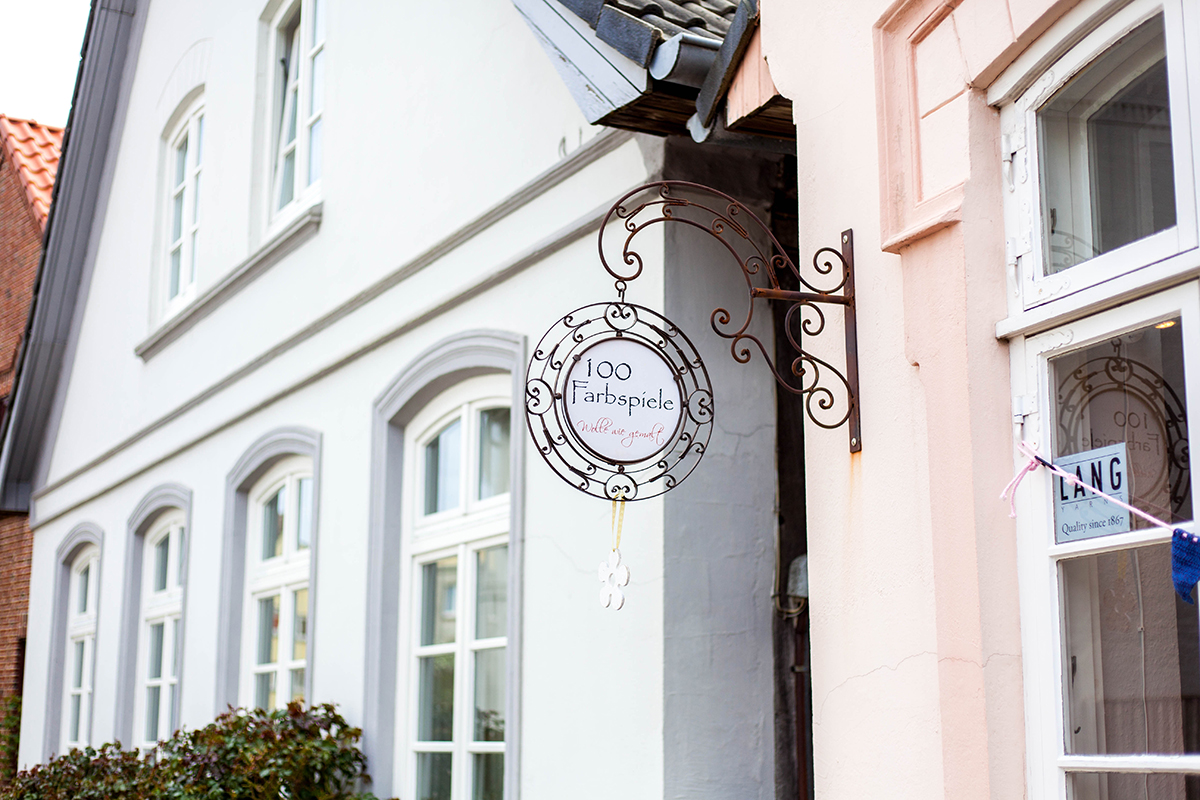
point(916, 636)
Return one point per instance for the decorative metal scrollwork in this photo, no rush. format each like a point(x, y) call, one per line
point(562, 446)
point(831, 397)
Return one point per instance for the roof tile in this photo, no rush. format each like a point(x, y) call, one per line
point(35, 150)
point(707, 18)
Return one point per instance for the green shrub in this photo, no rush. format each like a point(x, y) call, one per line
point(10, 736)
point(298, 754)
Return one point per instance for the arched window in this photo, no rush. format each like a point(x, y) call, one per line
point(156, 705)
point(82, 600)
point(275, 626)
point(456, 538)
point(182, 170)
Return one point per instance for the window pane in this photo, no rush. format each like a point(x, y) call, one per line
point(174, 648)
point(81, 602)
point(1105, 138)
point(435, 701)
point(1132, 655)
point(489, 777)
point(433, 776)
point(154, 669)
point(192, 262)
point(176, 254)
point(196, 200)
point(442, 457)
point(316, 99)
point(293, 101)
point(493, 452)
point(268, 630)
point(287, 188)
point(171, 709)
point(491, 593)
point(273, 511)
point(77, 674)
point(318, 10)
point(300, 626)
point(76, 708)
point(177, 217)
point(297, 677)
point(439, 583)
point(162, 552)
point(264, 690)
point(199, 139)
point(181, 151)
point(152, 698)
point(1117, 786)
point(489, 695)
point(314, 152)
point(1124, 400)
point(304, 511)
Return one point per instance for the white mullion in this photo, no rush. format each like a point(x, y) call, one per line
point(283, 685)
point(463, 674)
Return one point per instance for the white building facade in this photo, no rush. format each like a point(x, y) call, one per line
point(271, 422)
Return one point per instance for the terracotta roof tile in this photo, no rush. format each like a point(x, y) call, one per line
point(34, 150)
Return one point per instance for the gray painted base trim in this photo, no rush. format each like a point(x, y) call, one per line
point(295, 234)
point(82, 535)
point(254, 463)
point(587, 224)
point(585, 155)
point(448, 362)
point(159, 500)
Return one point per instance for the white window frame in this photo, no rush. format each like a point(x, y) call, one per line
point(462, 531)
point(81, 629)
point(190, 127)
point(1038, 554)
point(281, 576)
point(1032, 285)
point(310, 46)
point(165, 607)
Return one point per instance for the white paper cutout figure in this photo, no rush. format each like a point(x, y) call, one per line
point(613, 575)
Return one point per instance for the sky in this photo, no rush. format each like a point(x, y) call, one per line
point(40, 56)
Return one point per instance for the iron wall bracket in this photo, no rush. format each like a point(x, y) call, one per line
point(830, 396)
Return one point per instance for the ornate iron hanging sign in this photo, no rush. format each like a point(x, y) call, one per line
point(618, 401)
point(617, 397)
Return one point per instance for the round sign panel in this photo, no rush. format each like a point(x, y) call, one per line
point(618, 401)
point(622, 400)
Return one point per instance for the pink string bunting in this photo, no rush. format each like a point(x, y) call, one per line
point(1185, 547)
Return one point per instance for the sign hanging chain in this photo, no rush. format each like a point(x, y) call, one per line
point(1185, 547)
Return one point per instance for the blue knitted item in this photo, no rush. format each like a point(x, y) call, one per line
point(1185, 562)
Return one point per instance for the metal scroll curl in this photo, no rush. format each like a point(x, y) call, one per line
point(830, 396)
point(562, 447)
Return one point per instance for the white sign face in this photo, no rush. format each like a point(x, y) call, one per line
point(1080, 514)
point(622, 400)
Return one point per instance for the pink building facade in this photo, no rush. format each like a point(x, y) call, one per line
point(1022, 182)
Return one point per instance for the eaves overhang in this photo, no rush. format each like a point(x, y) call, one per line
point(654, 66)
point(67, 244)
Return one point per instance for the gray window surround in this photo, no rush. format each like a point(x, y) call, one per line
point(450, 361)
point(81, 536)
point(158, 501)
point(267, 451)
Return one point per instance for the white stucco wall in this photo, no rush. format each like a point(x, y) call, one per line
point(426, 127)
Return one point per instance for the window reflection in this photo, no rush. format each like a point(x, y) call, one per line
point(1130, 390)
point(1107, 169)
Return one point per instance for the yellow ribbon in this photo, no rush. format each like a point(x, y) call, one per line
point(618, 524)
